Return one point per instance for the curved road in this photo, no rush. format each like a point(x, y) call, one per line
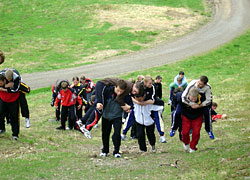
point(230, 19)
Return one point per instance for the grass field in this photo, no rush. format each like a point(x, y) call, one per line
point(43, 35)
point(44, 153)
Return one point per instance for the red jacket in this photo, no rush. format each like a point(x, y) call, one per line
point(67, 98)
point(9, 97)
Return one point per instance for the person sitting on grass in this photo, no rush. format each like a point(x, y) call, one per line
point(68, 99)
point(214, 114)
point(192, 116)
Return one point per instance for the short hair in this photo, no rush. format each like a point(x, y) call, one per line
point(2, 57)
point(64, 85)
point(148, 78)
point(193, 92)
point(179, 79)
point(92, 98)
point(121, 84)
point(204, 79)
point(2, 77)
point(9, 74)
point(140, 87)
point(181, 73)
point(214, 104)
point(158, 77)
point(82, 77)
point(140, 77)
point(75, 78)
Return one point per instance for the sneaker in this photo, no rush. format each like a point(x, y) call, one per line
point(210, 134)
point(169, 102)
point(14, 138)
point(85, 132)
point(186, 147)
point(117, 155)
point(123, 137)
point(191, 150)
point(67, 128)
point(163, 139)
point(153, 149)
point(79, 124)
point(27, 122)
point(2, 131)
point(104, 154)
point(60, 128)
point(172, 133)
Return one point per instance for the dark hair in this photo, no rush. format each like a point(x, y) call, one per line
point(181, 73)
point(82, 77)
point(2, 57)
point(140, 87)
point(214, 104)
point(158, 77)
point(176, 90)
point(75, 78)
point(2, 78)
point(121, 84)
point(204, 79)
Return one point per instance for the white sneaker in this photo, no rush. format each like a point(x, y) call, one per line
point(153, 149)
point(27, 122)
point(85, 132)
point(163, 139)
point(123, 137)
point(186, 147)
point(191, 150)
point(14, 138)
point(117, 155)
point(79, 123)
point(104, 154)
point(67, 128)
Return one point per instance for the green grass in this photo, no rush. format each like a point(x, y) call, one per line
point(44, 35)
point(44, 153)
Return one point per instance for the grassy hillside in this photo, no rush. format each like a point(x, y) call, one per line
point(44, 153)
point(45, 35)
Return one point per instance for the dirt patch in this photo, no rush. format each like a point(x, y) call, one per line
point(148, 18)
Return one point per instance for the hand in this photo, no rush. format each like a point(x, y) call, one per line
point(126, 107)
point(79, 107)
point(99, 106)
point(224, 116)
point(9, 85)
point(2, 89)
point(57, 108)
point(195, 106)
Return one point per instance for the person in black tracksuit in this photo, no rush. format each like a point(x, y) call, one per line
point(158, 87)
point(79, 91)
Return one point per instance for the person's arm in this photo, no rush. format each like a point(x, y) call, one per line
point(3, 89)
point(184, 96)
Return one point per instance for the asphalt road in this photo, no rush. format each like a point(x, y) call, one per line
point(230, 19)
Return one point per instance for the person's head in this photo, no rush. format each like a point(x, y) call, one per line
point(176, 90)
point(75, 80)
point(214, 105)
point(158, 79)
point(2, 80)
point(140, 78)
point(92, 99)
point(179, 80)
point(82, 79)
point(193, 94)
point(202, 81)
point(65, 86)
point(141, 94)
point(2, 57)
point(9, 74)
point(148, 81)
point(120, 87)
point(181, 74)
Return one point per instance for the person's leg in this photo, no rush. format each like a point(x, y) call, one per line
point(106, 129)
point(72, 117)
point(3, 110)
point(13, 108)
point(64, 115)
point(24, 109)
point(150, 130)
point(141, 137)
point(186, 126)
point(133, 131)
point(116, 137)
point(208, 121)
point(196, 126)
point(129, 122)
point(58, 111)
point(176, 120)
point(78, 111)
point(159, 122)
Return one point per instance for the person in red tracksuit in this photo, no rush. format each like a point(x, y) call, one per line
point(68, 100)
point(9, 103)
point(192, 116)
point(214, 114)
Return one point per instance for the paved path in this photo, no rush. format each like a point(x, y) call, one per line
point(230, 19)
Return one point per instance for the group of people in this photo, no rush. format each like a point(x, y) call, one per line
point(12, 96)
point(137, 104)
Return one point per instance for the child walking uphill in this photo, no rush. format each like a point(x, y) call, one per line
point(68, 100)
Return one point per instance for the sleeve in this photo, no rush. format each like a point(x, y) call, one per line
point(160, 91)
point(184, 96)
point(184, 81)
point(208, 95)
point(58, 99)
point(16, 86)
point(79, 99)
